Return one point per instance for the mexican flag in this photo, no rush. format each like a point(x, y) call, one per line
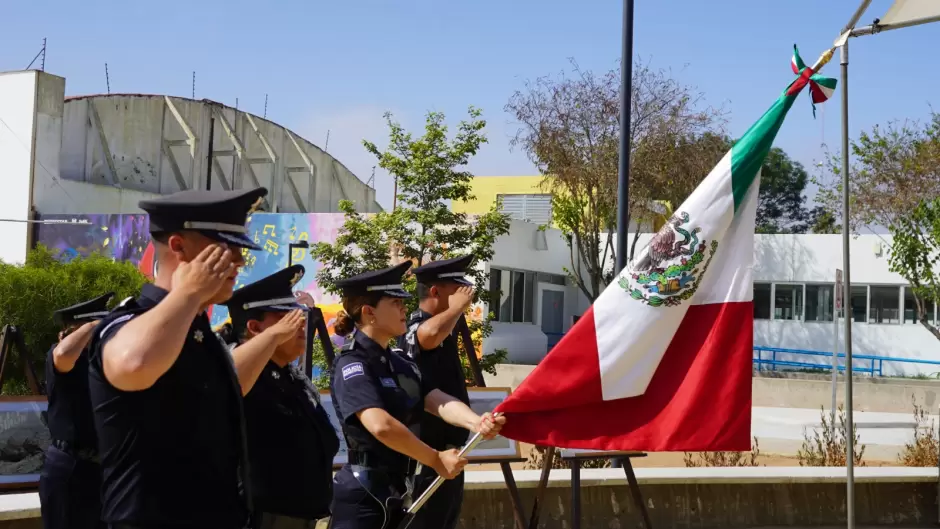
point(662, 360)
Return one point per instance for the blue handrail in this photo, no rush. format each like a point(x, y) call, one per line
point(875, 363)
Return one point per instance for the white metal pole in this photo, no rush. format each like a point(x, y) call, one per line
point(849, 419)
point(835, 348)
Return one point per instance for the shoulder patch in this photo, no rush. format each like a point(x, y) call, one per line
point(388, 382)
point(353, 370)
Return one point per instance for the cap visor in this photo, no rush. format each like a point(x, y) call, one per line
point(396, 294)
point(232, 239)
point(284, 308)
point(463, 281)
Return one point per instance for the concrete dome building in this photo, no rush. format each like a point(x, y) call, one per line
point(104, 153)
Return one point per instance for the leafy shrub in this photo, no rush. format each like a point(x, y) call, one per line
point(31, 292)
point(322, 379)
point(923, 450)
point(828, 447)
point(725, 459)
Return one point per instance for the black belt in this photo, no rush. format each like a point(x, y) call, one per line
point(87, 454)
point(372, 460)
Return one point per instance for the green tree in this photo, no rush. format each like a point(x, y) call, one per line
point(781, 205)
point(569, 127)
point(31, 292)
point(915, 254)
point(894, 167)
point(430, 171)
point(894, 184)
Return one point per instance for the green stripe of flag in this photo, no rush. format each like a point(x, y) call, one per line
point(747, 155)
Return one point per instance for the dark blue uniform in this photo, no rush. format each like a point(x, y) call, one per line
point(291, 442)
point(368, 492)
point(171, 453)
point(291, 446)
point(70, 481)
point(442, 511)
point(175, 454)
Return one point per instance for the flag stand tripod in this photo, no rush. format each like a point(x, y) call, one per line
point(11, 337)
point(575, 459)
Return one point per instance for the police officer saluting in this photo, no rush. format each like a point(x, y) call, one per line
point(167, 400)
point(291, 442)
point(70, 482)
point(444, 296)
point(380, 398)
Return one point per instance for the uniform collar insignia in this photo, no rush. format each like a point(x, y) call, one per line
point(198, 336)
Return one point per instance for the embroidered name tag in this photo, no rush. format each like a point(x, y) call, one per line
point(352, 370)
point(389, 383)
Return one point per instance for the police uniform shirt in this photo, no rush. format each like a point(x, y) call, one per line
point(443, 364)
point(69, 416)
point(291, 445)
point(171, 453)
point(367, 375)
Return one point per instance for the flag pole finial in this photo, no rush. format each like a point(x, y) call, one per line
point(823, 59)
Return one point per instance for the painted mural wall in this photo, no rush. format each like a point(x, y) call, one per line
point(126, 237)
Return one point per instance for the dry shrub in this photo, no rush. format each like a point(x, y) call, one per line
point(724, 459)
point(923, 450)
point(828, 447)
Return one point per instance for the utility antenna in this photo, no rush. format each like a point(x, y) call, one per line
point(107, 78)
point(42, 53)
point(326, 148)
point(194, 84)
point(371, 182)
point(265, 116)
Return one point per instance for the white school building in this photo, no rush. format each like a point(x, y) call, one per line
point(793, 298)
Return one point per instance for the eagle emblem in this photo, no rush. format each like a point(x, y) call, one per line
point(296, 278)
point(669, 270)
point(256, 206)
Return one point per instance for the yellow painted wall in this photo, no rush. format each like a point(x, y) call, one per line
point(486, 188)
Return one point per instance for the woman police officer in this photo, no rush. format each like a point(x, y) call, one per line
point(283, 413)
point(379, 397)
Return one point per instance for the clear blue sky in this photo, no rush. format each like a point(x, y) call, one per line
point(339, 65)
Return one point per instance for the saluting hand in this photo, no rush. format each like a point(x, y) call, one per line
point(288, 326)
point(202, 277)
point(490, 425)
point(450, 463)
point(304, 298)
point(462, 297)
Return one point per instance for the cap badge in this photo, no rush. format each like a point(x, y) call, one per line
point(256, 206)
point(296, 278)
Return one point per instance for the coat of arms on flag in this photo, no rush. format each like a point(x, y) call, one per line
point(662, 360)
point(668, 273)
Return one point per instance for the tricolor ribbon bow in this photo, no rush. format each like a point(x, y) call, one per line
point(820, 88)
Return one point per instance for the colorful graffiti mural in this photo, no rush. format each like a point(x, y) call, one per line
point(126, 238)
point(122, 237)
point(275, 232)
